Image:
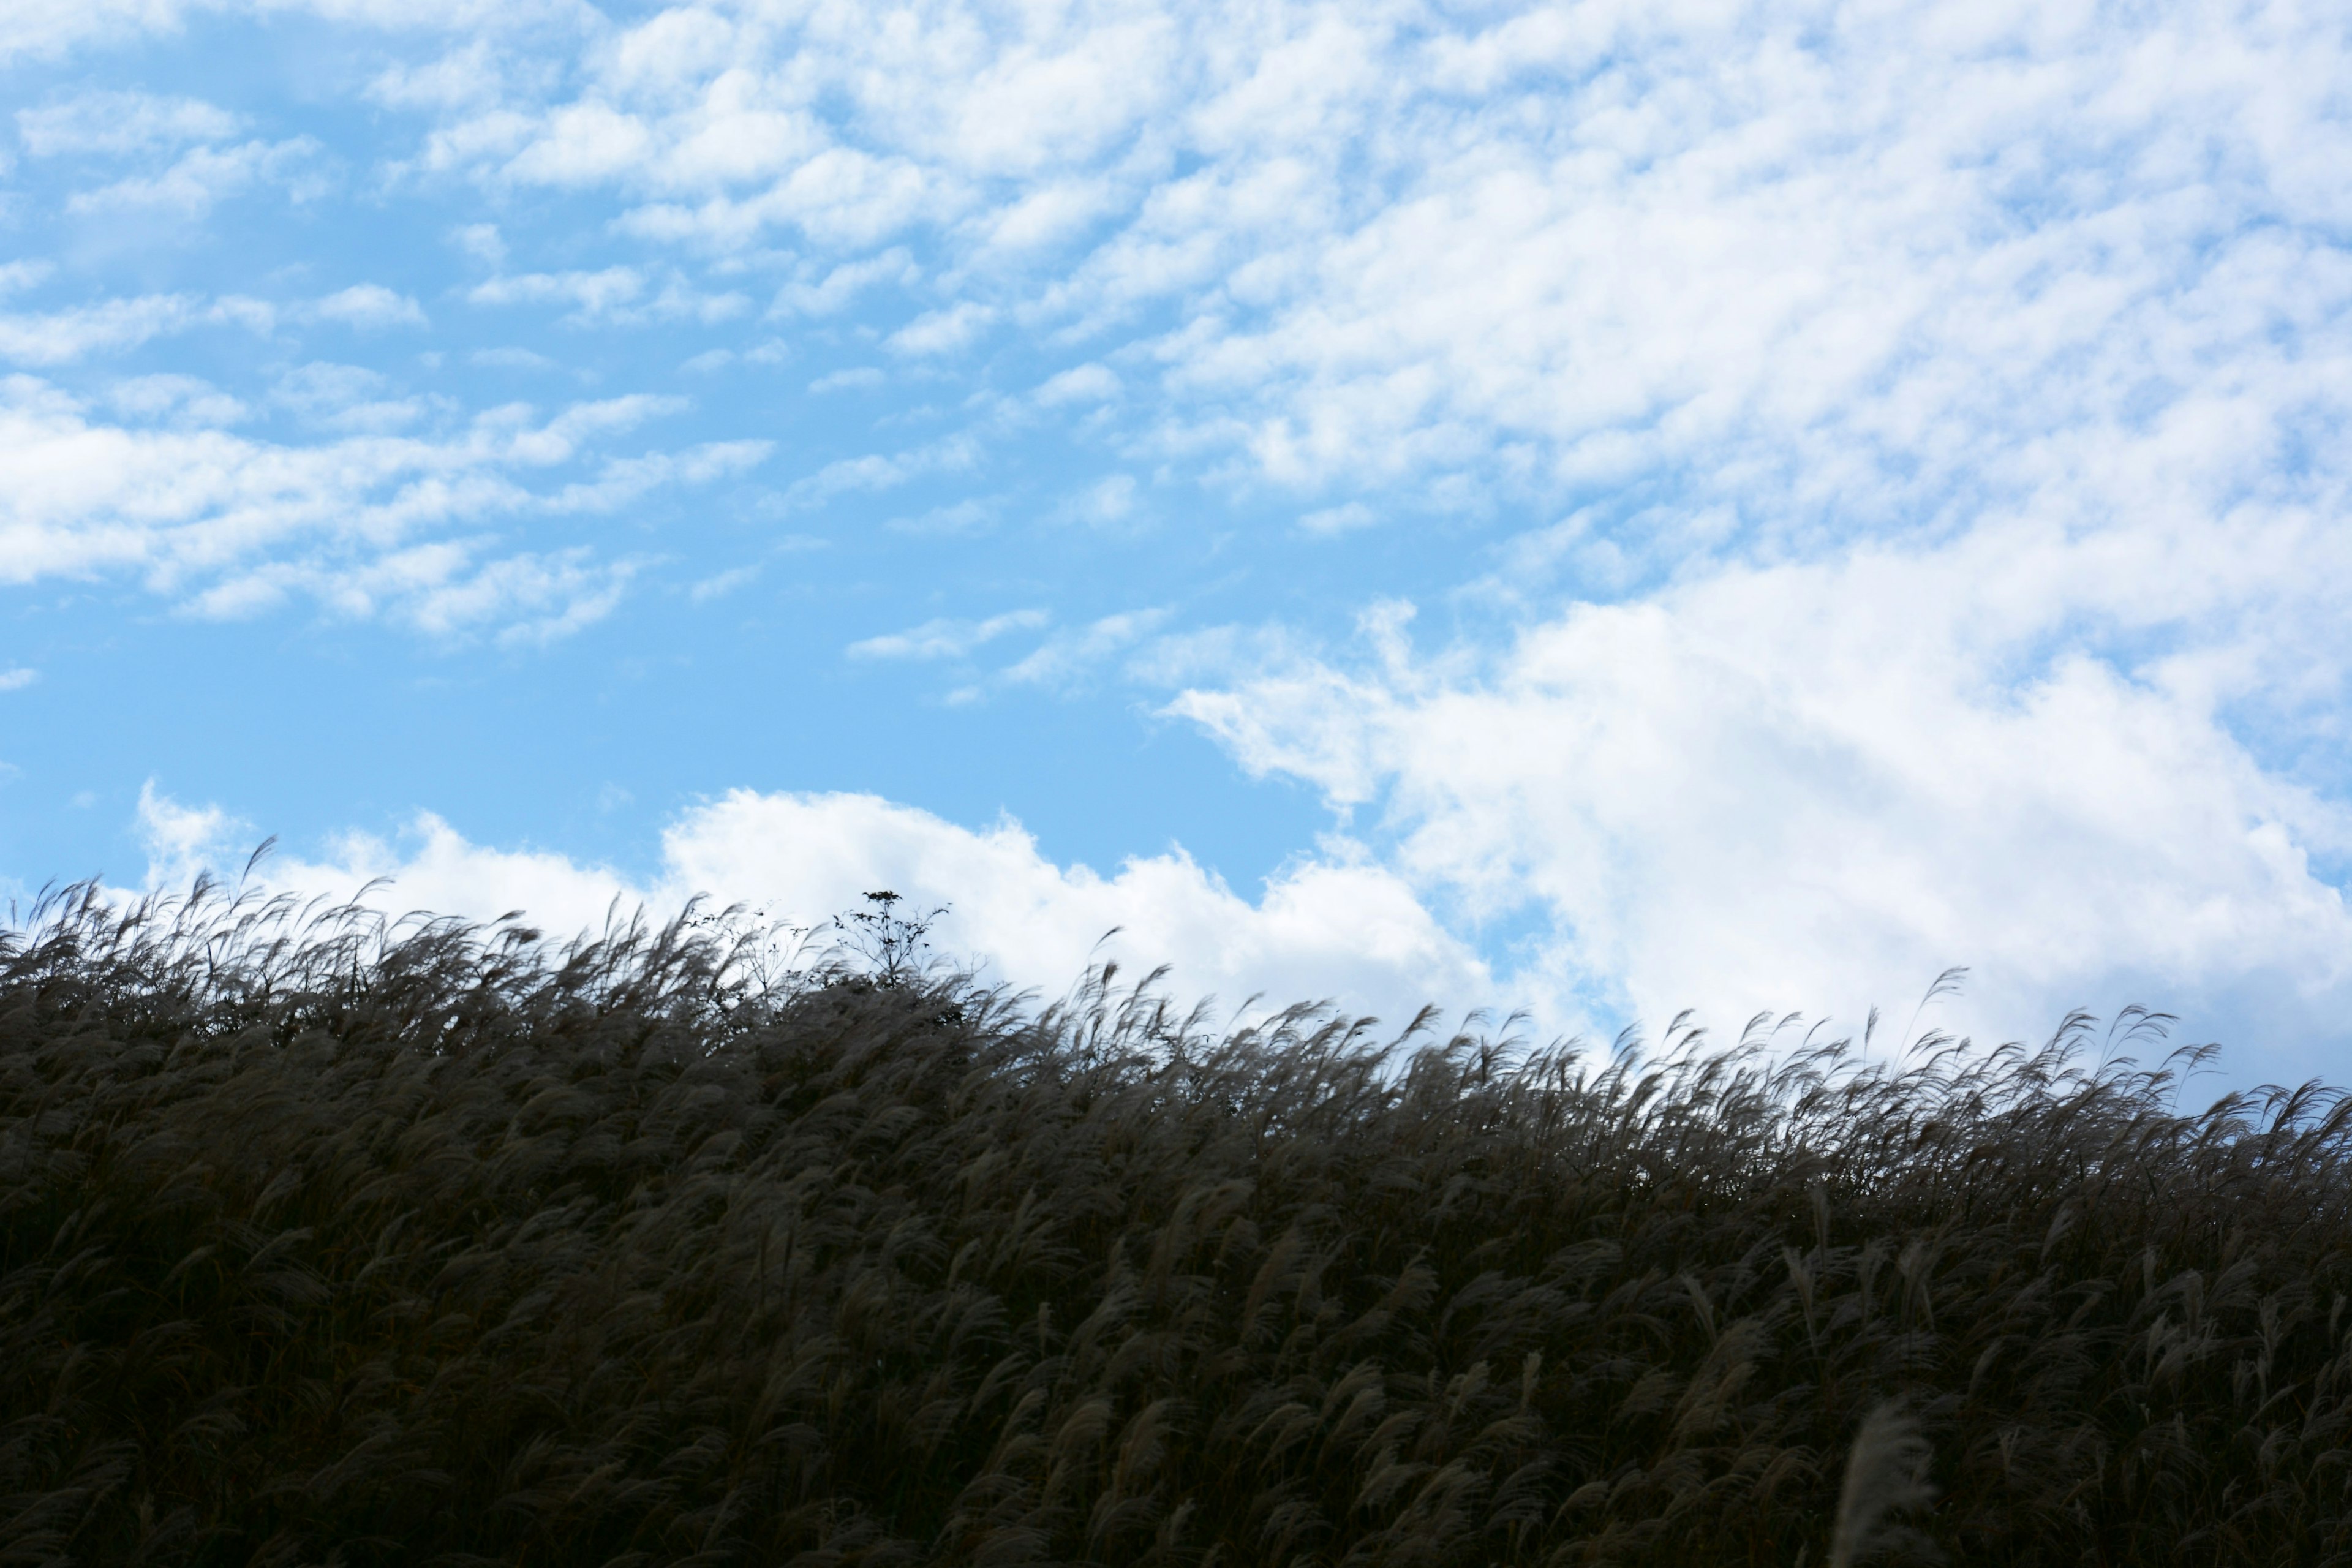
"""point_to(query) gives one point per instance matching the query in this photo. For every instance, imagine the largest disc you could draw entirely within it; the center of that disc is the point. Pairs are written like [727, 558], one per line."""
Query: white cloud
[1344, 519]
[18, 678]
[1820, 269]
[842, 284]
[876, 471]
[941, 332]
[60, 337]
[345, 397]
[1813, 787]
[1068, 656]
[1106, 503]
[121, 122]
[591, 294]
[945, 639]
[128, 321]
[856, 378]
[1329, 927]
[440, 588]
[482, 242]
[371, 305]
[615, 295]
[510, 358]
[178, 400]
[461, 79]
[183, 840]
[203, 177]
[972, 514]
[365, 524]
[42, 29]
[45, 28]
[719, 585]
[1080, 383]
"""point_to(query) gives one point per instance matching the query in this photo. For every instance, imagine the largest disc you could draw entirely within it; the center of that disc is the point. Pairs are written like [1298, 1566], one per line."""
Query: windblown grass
[327, 1242]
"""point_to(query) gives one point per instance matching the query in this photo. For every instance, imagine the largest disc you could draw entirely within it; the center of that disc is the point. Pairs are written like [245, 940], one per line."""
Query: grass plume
[1885, 1476]
[325, 1240]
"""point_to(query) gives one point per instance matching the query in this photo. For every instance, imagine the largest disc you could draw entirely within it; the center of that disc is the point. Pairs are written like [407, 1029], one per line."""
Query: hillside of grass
[323, 1241]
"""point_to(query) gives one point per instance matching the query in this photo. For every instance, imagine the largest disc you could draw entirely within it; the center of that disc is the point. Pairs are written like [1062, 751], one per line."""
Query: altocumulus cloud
[231, 525]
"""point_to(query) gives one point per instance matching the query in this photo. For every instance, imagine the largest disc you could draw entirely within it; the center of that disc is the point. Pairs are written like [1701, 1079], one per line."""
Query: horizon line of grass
[328, 1238]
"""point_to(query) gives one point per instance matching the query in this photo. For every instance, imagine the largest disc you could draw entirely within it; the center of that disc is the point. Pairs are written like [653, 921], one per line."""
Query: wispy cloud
[123, 123]
[1070, 655]
[941, 332]
[616, 296]
[181, 840]
[115, 325]
[945, 639]
[204, 176]
[369, 305]
[364, 524]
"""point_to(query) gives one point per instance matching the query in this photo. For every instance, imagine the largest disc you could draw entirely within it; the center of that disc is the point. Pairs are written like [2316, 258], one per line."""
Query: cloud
[1106, 503]
[364, 522]
[42, 29]
[181, 401]
[1327, 927]
[1346, 518]
[204, 176]
[615, 295]
[719, 585]
[463, 79]
[945, 639]
[842, 284]
[972, 514]
[874, 471]
[126, 323]
[510, 358]
[1080, 383]
[942, 331]
[1067, 656]
[1796, 265]
[345, 397]
[1333, 926]
[1815, 786]
[181, 840]
[856, 378]
[60, 337]
[591, 294]
[369, 305]
[482, 242]
[120, 123]
[18, 678]
[440, 588]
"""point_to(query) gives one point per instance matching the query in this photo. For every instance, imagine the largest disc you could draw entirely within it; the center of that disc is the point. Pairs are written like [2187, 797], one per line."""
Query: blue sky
[1594, 508]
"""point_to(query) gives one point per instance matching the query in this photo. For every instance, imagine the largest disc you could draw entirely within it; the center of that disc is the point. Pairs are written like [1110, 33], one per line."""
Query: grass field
[322, 1241]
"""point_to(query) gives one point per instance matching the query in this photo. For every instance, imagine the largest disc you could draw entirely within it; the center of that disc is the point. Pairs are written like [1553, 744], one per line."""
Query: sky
[1587, 511]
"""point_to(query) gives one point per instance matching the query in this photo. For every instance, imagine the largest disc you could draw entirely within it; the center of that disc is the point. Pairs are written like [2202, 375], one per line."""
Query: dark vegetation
[322, 1241]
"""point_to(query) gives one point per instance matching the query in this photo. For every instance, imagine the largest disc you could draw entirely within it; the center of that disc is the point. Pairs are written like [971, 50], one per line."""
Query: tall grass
[328, 1241]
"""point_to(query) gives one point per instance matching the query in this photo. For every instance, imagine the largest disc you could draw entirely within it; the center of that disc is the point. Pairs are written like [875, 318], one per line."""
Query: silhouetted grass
[327, 1242]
